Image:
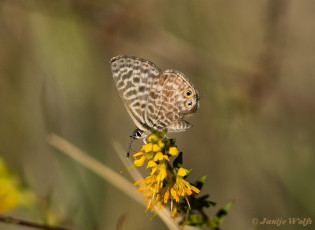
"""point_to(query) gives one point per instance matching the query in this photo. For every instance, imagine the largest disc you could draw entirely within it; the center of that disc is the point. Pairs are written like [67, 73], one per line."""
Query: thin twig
[25, 223]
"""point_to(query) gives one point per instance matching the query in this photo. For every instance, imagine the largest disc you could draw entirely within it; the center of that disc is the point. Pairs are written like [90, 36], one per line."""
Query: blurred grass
[252, 62]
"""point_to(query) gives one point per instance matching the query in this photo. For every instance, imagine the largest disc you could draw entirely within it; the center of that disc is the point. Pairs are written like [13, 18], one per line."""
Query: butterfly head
[137, 134]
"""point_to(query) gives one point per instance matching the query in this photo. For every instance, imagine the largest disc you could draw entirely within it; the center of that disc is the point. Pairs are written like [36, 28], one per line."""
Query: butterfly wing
[133, 78]
[172, 98]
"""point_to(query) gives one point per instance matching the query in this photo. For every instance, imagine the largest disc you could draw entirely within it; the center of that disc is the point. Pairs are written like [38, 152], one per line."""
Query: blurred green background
[252, 62]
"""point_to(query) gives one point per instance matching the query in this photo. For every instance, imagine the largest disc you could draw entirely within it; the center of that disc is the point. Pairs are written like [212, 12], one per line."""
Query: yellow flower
[153, 138]
[156, 148]
[138, 154]
[173, 151]
[12, 194]
[166, 157]
[147, 148]
[161, 143]
[182, 172]
[151, 164]
[147, 186]
[140, 158]
[162, 184]
[166, 196]
[181, 187]
[159, 171]
[9, 195]
[150, 151]
[158, 156]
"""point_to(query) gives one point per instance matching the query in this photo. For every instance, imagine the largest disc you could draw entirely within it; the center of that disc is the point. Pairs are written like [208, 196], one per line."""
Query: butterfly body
[154, 99]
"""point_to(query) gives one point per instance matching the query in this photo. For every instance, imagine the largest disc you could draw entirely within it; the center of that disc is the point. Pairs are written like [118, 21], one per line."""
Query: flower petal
[137, 154]
[173, 151]
[153, 138]
[156, 148]
[166, 157]
[158, 156]
[139, 162]
[161, 143]
[147, 148]
[151, 164]
[182, 172]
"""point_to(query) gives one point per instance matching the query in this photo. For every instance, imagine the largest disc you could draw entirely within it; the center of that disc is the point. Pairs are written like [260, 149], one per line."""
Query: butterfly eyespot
[188, 93]
[188, 104]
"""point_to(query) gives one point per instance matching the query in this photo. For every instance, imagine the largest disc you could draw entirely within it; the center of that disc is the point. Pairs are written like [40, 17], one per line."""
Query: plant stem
[11, 220]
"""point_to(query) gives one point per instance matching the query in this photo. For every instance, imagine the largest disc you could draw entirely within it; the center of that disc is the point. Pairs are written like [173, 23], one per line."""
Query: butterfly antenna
[132, 138]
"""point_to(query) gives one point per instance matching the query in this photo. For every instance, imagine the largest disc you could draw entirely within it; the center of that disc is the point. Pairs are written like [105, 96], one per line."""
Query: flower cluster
[11, 192]
[165, 182]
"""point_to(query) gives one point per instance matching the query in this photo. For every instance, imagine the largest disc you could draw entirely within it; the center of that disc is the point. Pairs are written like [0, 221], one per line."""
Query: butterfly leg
[144, 136]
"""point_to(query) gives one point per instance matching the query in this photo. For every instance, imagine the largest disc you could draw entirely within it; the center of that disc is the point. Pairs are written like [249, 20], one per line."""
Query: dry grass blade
[105, 172]
[134, 172]
[94, 165]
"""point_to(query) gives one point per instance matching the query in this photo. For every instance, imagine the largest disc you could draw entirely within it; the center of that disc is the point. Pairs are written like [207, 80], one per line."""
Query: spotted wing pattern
[172, 98]
[133, 78]
[154, 99]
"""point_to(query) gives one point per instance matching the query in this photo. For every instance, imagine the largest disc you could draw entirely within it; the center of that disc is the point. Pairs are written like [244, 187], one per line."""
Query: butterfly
[154, 99]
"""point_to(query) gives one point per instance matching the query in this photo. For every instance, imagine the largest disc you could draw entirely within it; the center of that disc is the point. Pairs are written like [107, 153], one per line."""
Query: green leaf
[199, 183]
[205, 203]
[177, 163]
[164, 132]
[188, 172]
[194, 220]
[172, 141]
[218, 219]
[224, 211]
[167, 143]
